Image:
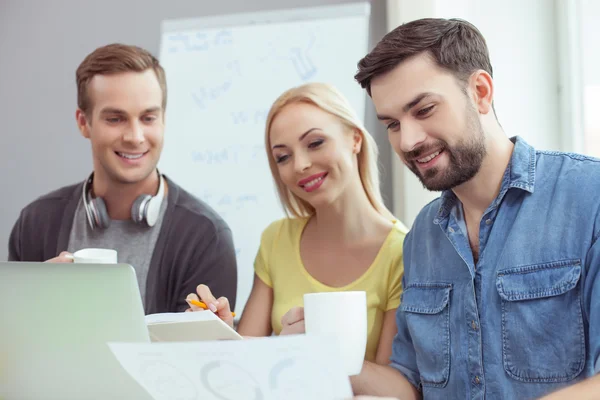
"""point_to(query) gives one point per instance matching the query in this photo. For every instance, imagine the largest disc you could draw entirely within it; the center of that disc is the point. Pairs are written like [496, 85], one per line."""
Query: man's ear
[482, 86]
[82, 123]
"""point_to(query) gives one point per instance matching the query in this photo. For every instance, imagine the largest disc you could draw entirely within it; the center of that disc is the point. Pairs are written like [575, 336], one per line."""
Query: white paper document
[188, 327]
[290, 367]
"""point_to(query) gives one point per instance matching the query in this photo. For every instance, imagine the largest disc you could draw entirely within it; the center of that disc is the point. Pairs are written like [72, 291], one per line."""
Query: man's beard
[465, 159]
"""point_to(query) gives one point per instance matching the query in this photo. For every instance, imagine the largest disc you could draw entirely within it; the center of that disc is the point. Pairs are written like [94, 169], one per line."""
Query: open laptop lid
[55, 322]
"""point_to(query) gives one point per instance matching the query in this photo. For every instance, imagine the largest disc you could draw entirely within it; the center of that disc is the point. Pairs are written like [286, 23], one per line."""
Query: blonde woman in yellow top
[340, 236]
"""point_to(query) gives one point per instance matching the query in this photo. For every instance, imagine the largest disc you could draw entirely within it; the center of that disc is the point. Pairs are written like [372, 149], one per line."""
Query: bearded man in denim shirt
[501, 298]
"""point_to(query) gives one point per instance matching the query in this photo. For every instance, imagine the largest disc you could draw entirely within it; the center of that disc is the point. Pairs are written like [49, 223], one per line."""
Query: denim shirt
[525, 320]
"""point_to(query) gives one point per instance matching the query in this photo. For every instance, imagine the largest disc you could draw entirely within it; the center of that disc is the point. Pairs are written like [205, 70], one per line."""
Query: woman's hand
[219, 306]
[293, 322]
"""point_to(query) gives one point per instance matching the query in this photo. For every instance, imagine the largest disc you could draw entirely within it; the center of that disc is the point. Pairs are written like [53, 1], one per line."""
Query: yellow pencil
[202, 305]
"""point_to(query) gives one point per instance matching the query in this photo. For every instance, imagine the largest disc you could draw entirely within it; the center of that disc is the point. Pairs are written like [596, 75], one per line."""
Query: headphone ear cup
[138, 208]
[152, 210]
[100, 213]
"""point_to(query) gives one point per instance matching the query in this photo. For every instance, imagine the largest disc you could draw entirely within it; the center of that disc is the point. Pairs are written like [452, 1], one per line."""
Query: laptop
[55, 322]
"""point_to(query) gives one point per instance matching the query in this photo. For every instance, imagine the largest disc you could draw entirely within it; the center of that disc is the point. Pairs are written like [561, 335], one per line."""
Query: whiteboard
[223, 73]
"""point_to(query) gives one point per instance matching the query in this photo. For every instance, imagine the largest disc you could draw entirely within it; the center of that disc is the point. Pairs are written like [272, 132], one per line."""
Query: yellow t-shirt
[279, 266]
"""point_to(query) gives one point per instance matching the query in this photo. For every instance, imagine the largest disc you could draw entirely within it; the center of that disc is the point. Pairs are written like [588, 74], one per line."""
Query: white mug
[344, 316]
[95, 256]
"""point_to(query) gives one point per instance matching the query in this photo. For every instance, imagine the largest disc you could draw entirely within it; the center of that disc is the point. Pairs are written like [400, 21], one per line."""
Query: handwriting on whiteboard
[232, 154]
[199, 41]
[299, 55]
[205, 95]
[256, 116]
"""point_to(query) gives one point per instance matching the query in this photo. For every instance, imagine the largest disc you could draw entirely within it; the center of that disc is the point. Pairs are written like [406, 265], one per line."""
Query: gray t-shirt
[133, 242]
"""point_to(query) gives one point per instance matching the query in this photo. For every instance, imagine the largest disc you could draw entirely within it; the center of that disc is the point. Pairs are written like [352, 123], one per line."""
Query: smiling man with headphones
[172, 239]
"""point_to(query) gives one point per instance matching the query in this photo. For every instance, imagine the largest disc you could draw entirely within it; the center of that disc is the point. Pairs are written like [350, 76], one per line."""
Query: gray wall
[41, 45]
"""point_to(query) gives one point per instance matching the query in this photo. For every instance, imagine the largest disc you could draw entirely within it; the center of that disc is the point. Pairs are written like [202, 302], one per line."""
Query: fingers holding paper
[292, 322]
[63, 257]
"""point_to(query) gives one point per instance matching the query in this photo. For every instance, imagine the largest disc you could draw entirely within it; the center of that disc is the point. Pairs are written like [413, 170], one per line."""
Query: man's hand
[63, 257]
[293, 322]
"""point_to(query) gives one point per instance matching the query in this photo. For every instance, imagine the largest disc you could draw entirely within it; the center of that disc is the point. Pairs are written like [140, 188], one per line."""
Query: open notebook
[188, 327]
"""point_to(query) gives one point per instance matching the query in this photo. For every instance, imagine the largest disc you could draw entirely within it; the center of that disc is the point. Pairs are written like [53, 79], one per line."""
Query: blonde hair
[330, 100]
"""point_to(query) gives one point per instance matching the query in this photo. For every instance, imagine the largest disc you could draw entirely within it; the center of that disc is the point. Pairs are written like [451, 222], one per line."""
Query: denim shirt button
[451, 230]
[473, 325]
[477, 381]
[488, 221]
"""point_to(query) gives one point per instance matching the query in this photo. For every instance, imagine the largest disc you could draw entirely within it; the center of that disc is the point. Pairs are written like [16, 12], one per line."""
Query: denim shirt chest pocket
[426, 308]
[542, 323]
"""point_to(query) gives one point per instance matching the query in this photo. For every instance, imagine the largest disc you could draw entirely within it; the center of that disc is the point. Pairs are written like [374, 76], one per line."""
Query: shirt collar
[519, 174]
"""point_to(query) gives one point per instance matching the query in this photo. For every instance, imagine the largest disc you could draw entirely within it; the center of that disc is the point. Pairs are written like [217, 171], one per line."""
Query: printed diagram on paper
[251, 369]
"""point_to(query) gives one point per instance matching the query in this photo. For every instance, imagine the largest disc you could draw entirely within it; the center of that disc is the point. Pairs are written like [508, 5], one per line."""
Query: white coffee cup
[342, 315]
[95, 256]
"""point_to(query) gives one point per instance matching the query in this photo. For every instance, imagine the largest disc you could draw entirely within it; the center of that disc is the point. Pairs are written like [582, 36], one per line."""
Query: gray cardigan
[195, 245]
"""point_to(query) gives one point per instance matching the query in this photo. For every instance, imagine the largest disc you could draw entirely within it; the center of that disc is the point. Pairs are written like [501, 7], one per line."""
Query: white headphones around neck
[145, 208]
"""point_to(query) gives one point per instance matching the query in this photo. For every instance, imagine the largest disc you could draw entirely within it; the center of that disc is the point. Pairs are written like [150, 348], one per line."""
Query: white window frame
[568, 38]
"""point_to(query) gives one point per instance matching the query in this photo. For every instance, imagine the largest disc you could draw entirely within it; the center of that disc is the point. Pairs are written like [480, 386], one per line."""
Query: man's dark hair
[454, 44]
